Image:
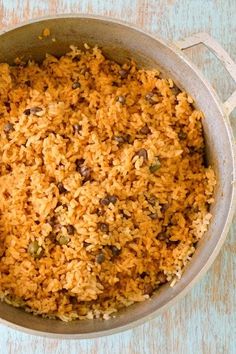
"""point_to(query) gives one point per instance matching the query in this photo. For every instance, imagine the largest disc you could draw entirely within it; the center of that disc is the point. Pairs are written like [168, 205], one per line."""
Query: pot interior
[120, 42]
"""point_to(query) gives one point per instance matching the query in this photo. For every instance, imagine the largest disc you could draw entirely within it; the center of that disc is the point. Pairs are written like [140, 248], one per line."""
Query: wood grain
[205, 320]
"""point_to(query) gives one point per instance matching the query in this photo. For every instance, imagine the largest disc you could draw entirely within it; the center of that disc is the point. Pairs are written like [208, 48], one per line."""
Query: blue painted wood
[204, 322]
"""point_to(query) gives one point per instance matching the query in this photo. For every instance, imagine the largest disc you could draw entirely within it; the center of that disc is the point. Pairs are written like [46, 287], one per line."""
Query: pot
[120, 41]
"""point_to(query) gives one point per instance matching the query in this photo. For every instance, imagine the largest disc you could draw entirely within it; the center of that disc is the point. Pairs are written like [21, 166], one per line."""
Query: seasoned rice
[103, 188]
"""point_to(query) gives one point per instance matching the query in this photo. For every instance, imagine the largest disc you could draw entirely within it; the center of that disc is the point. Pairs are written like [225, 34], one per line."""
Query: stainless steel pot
[120, 41]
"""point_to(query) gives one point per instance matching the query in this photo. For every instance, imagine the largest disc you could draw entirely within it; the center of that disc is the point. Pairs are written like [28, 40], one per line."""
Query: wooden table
[204, 322]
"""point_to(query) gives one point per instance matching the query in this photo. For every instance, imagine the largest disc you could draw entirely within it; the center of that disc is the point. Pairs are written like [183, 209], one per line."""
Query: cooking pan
[120, 41]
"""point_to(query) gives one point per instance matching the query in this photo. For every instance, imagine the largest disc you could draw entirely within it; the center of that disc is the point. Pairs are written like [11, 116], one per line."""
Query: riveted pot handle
[220, 53]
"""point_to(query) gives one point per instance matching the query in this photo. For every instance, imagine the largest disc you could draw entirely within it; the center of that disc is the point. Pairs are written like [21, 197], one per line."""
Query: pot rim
[232, 206]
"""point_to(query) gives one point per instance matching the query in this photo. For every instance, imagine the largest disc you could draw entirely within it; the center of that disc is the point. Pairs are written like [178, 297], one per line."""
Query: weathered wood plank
[205, 320]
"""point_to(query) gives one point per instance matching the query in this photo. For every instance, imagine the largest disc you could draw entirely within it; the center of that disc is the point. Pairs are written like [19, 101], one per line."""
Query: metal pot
[120, 41]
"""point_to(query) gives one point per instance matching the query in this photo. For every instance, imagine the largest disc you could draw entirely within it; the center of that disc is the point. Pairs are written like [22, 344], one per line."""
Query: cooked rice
[103, 187]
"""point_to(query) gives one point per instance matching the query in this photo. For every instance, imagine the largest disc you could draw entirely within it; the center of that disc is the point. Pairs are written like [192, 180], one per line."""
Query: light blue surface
[204, 322]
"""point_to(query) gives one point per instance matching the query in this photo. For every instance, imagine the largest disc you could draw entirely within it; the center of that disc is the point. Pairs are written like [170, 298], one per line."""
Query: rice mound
[103, 188]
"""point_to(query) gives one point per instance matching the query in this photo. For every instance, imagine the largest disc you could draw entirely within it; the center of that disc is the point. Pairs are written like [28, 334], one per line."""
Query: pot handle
[220, 53]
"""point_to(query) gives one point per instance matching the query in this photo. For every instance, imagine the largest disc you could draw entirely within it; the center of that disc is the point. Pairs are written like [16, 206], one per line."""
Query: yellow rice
[140, 141]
